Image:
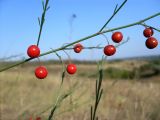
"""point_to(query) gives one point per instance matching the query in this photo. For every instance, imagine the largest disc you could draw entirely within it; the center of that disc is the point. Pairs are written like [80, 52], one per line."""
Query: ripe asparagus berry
[71, 68]
[151, 43]
[78, 48]
[109, 50]
[30, 118]
[33, 51]
[41, 72]
[148, 32]
[38, 118]
[117, 37]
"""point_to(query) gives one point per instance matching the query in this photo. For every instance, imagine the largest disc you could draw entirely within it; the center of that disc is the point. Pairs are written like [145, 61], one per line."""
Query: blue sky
[19, 26]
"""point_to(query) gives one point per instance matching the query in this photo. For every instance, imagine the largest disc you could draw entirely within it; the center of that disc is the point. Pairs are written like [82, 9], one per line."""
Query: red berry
[30, 118]
[33, 51]
[151, 42]
[148, 32]
[77, 48]
[71, 68]
[117, 37]
[41, 72]
[38, 118]
[109, 50]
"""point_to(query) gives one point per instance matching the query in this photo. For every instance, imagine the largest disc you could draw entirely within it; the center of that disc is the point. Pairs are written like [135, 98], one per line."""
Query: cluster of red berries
[41, 72]
[117, 37]
[34, 52]
[109, 50]
[151, 42]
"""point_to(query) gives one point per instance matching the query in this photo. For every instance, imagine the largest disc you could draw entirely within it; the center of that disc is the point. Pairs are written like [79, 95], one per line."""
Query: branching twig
[99, 89]
[99, 92]
[114, 13]
[60, 99]
[41, 22]
[158, 30]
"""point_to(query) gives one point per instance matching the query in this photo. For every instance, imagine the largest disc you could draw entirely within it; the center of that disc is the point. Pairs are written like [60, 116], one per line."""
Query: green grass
[152, 68]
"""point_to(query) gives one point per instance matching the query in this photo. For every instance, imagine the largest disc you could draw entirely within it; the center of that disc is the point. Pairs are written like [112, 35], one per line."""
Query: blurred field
[131, 91]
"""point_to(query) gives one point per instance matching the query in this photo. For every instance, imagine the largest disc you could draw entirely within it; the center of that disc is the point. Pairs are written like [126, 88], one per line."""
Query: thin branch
[114, 13]
[115, 9]
[41, 22]
[63, 67]
[60, 99]
[99, 92]
[150, 26]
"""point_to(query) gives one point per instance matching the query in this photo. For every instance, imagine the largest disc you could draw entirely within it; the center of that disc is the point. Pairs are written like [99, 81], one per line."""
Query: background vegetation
[130, 91]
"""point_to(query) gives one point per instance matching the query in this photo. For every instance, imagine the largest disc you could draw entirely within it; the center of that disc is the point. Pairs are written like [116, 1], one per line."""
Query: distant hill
[154, 57]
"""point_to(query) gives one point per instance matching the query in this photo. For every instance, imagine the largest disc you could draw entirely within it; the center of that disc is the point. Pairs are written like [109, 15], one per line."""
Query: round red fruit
[71, 68]
[30, 118]
[33, 51]
[117, 37]
[151, 42]
[78, 48]
[38, 118]
[148, 32]
[41, 72]
[109, 50]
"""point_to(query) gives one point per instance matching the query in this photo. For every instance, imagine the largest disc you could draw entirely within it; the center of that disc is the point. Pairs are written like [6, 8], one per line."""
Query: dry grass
[22, 95]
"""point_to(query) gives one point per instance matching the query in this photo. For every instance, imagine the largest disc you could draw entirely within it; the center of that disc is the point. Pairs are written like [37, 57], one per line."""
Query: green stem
[114, 13]
[83, 39]
[55, 107]
[42, 21]
[99, 92]
[149, 26]
[132, 24]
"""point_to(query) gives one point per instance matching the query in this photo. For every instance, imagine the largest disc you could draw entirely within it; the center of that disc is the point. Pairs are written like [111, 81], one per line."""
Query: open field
[131, 92]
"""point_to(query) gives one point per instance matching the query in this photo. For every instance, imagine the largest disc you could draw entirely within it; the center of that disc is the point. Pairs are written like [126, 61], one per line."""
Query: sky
[19, 26]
